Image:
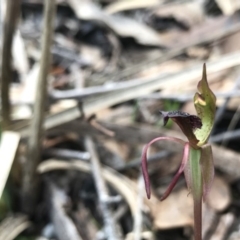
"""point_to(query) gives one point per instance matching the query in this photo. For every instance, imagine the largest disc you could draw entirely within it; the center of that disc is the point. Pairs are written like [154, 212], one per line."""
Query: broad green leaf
[207, 169]
[205, 105]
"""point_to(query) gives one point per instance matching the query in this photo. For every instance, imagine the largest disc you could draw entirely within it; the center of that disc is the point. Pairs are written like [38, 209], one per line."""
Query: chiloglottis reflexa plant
[197, 161]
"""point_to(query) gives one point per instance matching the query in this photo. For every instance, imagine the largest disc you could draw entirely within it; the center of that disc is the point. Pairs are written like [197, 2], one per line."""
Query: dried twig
[102, 129]
[11, 17]
[64, 226]
[34, 145]
[137, 229]
[84, 93]
[67, 154]
[102, 191]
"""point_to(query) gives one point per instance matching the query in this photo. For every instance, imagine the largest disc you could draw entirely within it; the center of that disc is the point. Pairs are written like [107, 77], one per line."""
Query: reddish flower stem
[197, 219]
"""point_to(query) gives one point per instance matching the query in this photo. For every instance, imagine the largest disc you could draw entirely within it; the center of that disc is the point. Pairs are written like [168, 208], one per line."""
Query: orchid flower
[197, 161]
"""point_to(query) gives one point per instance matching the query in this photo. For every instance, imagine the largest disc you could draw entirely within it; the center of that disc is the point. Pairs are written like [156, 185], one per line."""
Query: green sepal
[205, 105]
[207, 166]
[193, 173]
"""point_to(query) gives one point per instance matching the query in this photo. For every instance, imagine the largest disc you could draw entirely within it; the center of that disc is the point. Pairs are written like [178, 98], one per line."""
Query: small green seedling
[197, 162]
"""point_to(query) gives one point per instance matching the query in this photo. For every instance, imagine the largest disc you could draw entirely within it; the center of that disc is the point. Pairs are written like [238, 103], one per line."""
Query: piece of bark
[219, 197]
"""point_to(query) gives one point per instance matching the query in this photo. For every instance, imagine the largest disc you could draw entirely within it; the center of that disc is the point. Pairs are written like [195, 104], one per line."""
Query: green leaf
[205, 105]
[207, 169]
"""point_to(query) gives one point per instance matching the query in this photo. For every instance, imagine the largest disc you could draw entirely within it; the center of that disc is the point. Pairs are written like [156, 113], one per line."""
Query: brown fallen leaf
[120, 149]
[175, 211]
[230, 44]
[219, 197]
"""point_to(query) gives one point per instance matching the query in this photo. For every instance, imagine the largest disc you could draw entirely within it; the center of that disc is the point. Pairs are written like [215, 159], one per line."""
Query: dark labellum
[191, 120]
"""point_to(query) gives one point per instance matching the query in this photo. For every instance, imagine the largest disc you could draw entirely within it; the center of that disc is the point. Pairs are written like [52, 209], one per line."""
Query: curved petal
[179, 172]
[144, 159]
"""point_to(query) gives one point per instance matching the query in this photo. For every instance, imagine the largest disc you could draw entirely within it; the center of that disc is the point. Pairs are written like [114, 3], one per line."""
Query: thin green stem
[197, 190]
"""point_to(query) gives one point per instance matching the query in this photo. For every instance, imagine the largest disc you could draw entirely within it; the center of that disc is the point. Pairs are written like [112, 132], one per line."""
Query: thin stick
[30, 181]
[102, 191]
[11, 17]
[138, 218]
